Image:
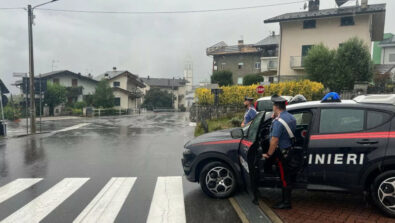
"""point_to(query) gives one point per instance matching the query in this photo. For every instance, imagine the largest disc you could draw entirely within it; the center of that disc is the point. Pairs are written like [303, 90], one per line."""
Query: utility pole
[31, 72]
[30, 18]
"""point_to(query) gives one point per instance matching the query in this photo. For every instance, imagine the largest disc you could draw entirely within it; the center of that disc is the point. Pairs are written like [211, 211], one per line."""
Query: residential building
[269, 59]
[77, 84]
[127, 88]
[299, 31]
[172, 85]
[241, 59]
[377, 50]
[388, 50]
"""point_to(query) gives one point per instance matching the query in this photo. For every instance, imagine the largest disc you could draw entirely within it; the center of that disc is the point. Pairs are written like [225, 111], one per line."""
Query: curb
[239, 212]
[269, 212]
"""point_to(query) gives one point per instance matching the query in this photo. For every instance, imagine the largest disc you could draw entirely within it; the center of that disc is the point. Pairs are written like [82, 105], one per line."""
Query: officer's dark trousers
[288, 164]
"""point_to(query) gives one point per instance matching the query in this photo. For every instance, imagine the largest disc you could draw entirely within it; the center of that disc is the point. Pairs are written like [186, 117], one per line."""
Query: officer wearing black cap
[281, 142]
[250, 113]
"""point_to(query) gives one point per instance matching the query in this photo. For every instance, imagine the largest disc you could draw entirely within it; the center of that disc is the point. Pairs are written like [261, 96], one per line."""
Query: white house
[127, 88]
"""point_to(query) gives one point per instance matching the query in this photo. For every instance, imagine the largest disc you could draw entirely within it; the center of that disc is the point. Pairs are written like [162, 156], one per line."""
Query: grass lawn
[219, 124]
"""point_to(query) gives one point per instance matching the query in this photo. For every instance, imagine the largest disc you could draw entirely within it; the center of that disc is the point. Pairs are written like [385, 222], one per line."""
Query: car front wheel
[383, 192]
[217, 180]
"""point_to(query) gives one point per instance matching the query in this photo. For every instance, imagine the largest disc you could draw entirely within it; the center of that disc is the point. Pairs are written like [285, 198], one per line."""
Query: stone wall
[198, 113]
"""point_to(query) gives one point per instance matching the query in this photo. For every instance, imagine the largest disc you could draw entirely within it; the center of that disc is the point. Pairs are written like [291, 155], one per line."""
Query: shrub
[11, 113]
[182, 108]
[80, 104]
[222, 78]
[234, 95]
[76, 111]
[235, 121]
[250, 79]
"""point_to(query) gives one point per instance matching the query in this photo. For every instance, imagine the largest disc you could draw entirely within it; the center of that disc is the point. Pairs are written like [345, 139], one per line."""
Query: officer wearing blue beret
[282, 136]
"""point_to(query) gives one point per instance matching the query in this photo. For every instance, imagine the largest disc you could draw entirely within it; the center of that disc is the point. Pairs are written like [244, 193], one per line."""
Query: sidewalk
[325, 207]
[15, 129]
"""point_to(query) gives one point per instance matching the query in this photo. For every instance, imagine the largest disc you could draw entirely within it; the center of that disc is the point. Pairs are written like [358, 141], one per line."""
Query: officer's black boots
[286, 202]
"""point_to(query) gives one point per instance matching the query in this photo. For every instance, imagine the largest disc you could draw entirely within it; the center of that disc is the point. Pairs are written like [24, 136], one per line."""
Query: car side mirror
[237, 133]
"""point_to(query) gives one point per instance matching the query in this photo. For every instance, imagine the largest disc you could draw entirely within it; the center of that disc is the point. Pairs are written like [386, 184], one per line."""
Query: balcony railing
[297, 62]
[272, 65]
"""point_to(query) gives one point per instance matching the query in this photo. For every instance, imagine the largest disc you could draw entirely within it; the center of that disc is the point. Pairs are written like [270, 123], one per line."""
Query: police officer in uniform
[250, 113]
[281, 143]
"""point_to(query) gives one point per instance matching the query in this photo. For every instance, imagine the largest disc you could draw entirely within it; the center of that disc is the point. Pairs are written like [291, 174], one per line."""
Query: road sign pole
[31, 71]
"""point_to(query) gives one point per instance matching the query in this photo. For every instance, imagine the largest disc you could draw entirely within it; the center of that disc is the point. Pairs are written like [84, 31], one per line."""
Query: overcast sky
[155, 45]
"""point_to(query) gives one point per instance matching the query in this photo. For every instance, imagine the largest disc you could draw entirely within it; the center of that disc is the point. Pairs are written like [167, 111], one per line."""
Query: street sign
[260, 89]
[18, 74]
[26, 85]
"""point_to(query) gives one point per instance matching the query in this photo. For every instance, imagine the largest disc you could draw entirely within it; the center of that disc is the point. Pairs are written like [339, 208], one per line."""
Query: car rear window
[341, 120]
[265, 105]
[375, 118]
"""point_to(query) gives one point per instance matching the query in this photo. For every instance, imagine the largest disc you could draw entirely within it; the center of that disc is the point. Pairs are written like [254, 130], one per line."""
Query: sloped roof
[342, 11]
[383, 68]
[388, 41]
[66, 72]
[164, 82]
[4, 89]
[115, 73]
[246, 48]
[270, 40]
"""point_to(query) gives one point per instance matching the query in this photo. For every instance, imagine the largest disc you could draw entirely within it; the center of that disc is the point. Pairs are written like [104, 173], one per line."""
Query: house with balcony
[176, 86]
[269, 59]
[299, 31]
[78, 86]
[127, 88]
[243, 59]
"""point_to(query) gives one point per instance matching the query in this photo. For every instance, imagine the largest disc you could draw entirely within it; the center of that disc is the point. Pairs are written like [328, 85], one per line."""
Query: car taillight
[256, 104]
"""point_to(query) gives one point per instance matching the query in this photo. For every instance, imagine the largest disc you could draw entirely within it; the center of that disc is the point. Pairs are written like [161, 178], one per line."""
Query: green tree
[222, 78]
[339, 69]
[352, 63]
[103, 96]
[155, 98]
[54, 96]
[319, 64]
[250, 79]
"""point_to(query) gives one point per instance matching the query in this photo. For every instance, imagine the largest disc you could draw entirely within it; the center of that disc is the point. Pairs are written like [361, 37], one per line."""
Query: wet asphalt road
[144, 146]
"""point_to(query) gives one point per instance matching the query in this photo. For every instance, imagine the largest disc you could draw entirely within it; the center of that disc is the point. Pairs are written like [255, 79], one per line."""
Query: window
[240, 80]
[309, 24]
[215, 67]
[347, 21]
[241, 65]
[55, 81]
[74, 82]
[303, 118]
[341, 120]
[375, 118]
[305, 49]
[258, 65]
[116, 84]
[391, 57]
[253, 129]
[117, 101]
[271, 79]
[265, 105]
[223, 66]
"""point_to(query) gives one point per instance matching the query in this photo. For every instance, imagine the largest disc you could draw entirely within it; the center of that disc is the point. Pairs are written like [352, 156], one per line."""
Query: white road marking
[168, 202]
[108, 202]
[41, 206]
[72, 127]
[16, 186]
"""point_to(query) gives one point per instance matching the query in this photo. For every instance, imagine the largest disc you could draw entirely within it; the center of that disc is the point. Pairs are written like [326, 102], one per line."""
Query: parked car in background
[265, 103]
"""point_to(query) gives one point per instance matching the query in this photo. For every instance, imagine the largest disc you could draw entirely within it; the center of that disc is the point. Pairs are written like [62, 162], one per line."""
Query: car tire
[383, 192]
[217, 180]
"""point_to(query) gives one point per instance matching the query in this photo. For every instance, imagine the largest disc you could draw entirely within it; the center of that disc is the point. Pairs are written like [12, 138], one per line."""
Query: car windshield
[265, 105]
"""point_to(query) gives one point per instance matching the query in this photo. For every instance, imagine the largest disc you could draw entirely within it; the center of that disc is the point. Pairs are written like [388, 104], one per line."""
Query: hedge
[234, 95]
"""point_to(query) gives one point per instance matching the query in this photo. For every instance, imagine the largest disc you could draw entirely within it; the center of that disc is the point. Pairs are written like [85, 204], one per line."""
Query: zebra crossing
[167, 203]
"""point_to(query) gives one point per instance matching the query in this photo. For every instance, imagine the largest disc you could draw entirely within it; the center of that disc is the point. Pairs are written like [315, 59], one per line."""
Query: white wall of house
[88, 87]
[388, 55]
[124, 99]
[327, 31]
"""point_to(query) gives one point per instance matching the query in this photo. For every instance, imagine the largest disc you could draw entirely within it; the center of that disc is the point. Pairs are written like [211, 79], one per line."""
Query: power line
[169, 12]
[12, 8]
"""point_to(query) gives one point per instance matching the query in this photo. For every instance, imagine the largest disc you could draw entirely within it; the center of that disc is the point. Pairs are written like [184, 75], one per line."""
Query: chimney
[148, 77]
[90, 75]
[114, 68]
[364, 4]
[273, 33]
[314, 5]
[240, 42]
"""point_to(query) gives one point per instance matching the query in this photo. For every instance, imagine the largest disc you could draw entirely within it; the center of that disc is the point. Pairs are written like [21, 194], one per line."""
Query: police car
[347, 146]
